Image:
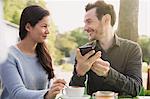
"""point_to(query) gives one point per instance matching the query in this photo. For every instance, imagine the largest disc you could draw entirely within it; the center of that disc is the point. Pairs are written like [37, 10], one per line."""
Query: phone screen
[85, 50]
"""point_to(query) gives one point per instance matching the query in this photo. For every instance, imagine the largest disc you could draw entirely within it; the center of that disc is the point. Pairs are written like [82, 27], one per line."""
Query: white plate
[83, 97]
[143, 97]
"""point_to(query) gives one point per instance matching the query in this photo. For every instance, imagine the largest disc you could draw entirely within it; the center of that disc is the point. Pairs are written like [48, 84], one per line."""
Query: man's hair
[102, 8]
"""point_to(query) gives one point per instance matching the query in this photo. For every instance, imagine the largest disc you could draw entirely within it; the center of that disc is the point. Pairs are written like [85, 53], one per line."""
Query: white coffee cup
[74, 91]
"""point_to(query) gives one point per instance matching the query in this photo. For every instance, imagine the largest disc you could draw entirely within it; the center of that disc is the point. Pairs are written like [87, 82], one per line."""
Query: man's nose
[85, 28]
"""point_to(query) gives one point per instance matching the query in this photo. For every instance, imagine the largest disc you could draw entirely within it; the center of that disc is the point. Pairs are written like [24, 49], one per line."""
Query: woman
[28, 70]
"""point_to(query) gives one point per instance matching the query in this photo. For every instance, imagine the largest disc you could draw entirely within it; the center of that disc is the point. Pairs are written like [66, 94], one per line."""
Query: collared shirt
[124, 77]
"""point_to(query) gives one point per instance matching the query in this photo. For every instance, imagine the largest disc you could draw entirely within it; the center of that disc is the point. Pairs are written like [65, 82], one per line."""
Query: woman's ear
[106, 19]
[28, 27]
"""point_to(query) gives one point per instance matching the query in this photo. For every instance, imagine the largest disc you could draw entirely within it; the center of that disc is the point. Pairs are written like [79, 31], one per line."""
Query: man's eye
[44, 26]
[88, 22]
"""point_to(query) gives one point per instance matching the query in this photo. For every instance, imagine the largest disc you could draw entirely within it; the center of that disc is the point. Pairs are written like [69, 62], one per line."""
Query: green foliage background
[12, 13]
[80, 36]
[144, 42]
[60, 45]
[13, 8]
[69, 41]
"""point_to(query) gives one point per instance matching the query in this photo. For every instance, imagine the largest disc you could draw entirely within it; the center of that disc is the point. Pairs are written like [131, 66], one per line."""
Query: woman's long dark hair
[32, 15]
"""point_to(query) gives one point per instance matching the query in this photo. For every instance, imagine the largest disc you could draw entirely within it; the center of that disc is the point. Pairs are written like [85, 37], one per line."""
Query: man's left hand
[101, 67]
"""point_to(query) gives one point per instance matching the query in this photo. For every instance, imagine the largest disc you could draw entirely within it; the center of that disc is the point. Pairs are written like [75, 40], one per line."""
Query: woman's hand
[55, 89]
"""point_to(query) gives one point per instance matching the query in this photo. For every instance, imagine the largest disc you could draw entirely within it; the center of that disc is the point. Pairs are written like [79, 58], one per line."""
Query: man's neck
[107, 41]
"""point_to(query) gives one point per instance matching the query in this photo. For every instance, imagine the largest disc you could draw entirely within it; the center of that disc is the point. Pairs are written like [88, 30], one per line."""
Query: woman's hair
[32, 15]
[103, 8]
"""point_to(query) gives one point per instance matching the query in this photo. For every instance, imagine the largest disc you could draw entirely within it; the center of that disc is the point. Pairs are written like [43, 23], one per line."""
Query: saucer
[82, 97]
[143, 97]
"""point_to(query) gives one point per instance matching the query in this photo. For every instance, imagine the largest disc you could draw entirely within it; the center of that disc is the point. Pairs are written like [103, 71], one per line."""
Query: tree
[12, 12]
[144, 42]
[38, 2]
[66, 43]
[55, 53]
[128, 19]
[13, 8]
[80, 36]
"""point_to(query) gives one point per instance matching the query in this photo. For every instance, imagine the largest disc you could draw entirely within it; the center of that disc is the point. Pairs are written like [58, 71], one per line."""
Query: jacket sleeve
[77, 80]
[130, 82]
[13, 82]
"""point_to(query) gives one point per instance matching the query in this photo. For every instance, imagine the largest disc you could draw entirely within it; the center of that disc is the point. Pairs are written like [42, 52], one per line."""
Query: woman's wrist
[46, 95]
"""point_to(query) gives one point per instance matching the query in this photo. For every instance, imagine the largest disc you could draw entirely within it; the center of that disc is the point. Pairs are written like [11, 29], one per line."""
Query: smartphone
[85, 50]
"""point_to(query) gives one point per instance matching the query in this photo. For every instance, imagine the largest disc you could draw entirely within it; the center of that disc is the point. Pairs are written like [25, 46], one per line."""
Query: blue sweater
[22, 76]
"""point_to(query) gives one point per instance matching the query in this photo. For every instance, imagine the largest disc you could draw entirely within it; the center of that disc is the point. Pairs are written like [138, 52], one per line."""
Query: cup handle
[59, 98]
[116, 95]
[63, 92]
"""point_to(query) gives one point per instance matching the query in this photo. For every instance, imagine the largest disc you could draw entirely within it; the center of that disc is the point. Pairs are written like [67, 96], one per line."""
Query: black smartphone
[85, 50]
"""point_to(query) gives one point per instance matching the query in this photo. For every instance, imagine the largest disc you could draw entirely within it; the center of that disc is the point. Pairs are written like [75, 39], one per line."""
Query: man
[116, 66]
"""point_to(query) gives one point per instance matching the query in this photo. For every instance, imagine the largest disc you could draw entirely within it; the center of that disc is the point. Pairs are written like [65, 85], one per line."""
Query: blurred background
[66, 28]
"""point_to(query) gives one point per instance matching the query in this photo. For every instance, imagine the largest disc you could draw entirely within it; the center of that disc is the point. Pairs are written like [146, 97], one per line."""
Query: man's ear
[28, 27]
[106, 19]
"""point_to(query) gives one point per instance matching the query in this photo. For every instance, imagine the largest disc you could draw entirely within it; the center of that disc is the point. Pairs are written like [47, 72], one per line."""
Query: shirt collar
[116, 42]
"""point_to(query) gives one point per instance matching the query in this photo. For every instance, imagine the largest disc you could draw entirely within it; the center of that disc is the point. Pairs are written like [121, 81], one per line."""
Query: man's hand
[84, 63]
[101, 67]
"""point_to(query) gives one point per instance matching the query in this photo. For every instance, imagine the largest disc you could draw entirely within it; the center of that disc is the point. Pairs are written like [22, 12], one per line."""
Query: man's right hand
[84, 63]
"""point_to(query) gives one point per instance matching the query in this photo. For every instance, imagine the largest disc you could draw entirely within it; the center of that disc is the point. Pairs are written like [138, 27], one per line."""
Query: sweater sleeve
[13, 82]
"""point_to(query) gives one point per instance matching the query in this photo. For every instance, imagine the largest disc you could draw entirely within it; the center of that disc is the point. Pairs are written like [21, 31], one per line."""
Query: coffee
[104, 95]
